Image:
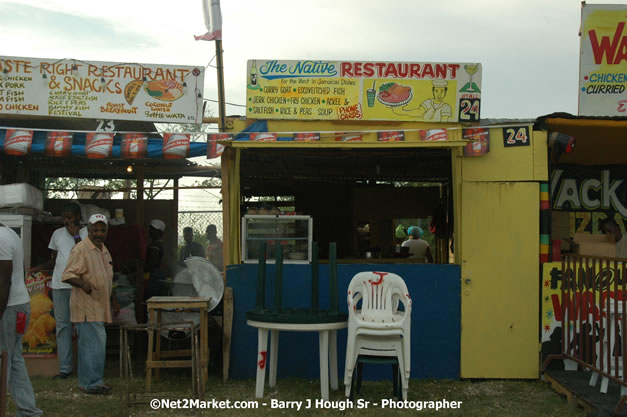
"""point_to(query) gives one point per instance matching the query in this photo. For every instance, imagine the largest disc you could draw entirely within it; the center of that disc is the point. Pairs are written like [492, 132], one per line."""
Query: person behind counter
[191, 248]
[61, 243]
[419, 249]
[610, 227]
[214, 247]
[154, 256]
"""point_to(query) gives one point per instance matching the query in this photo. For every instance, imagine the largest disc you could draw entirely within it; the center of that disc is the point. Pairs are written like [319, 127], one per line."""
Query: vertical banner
[58, 144]
[603, 60]
[176, 145]
[39, 339]
[134, 146]
[18, 141]
[99, 145]
[213, 21]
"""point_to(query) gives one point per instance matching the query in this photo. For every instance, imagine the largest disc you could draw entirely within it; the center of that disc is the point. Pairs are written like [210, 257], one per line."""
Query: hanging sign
[98, 145]
[176, 145]
[346, 90]
[18, 142]
[480, 144]
[101, 90]
[58, 144]
[134, 146]
[215, 144]
[603, 60]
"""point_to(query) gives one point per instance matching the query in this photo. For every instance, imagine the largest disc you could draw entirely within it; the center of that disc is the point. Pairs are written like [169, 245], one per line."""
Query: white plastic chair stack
[376, 325]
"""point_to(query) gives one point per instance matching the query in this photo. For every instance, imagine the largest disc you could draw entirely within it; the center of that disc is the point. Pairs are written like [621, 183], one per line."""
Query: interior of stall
[363, 199]
[142, 197]
[588, 163]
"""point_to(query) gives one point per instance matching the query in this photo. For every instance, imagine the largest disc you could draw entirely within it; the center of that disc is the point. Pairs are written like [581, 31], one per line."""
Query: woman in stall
[419, 249]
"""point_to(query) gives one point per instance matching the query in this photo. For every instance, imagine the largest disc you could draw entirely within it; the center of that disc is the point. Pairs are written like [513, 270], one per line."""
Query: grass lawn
[62, 398]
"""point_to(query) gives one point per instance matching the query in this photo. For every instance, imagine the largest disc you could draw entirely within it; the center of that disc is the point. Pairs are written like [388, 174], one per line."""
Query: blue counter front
[435, 322]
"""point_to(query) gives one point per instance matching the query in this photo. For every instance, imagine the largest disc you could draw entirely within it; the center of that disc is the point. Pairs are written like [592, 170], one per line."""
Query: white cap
[158, 224]
[95, 218]
[440, 83]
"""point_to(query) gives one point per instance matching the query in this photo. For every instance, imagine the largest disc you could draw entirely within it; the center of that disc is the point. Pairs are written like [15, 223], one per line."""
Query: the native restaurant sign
[603, 61]
[369, 90]
[101, 90]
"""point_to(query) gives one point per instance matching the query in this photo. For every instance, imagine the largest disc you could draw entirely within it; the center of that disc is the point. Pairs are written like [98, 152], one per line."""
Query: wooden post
[220, 70]
[175, 215]
[227, 160]
[139, 265]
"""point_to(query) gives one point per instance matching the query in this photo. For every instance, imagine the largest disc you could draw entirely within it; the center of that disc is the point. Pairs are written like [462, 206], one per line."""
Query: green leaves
[385, 87]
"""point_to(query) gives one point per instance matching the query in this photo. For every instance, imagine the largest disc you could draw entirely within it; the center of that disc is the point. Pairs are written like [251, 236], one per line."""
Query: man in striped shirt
[90, 272]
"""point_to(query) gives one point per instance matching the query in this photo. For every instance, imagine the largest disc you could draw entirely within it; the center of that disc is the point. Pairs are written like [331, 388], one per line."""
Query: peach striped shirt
[93, 265]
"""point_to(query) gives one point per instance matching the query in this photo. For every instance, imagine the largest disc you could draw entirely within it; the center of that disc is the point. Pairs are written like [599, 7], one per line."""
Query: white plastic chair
[376, 325]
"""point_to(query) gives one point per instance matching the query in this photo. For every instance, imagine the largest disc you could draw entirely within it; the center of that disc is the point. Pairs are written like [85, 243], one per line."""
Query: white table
[327, 341]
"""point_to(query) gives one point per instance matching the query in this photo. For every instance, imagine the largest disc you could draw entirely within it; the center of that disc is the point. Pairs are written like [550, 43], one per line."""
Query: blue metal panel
[435, 327]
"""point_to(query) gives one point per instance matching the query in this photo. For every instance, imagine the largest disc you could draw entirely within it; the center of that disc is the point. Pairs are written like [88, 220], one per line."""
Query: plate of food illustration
[394, 95]
[164, 90]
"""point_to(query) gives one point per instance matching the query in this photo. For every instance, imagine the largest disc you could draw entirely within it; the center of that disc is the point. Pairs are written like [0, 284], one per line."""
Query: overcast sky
[529, 49]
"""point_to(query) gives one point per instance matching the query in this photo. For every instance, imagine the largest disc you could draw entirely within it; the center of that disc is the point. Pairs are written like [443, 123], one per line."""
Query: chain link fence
[199, 220]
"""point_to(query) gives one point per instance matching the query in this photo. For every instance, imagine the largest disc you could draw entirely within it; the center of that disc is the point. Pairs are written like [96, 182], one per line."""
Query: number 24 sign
[516, 136]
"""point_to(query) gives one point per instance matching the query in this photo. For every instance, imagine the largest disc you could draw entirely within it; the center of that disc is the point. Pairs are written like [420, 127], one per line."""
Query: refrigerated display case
[294, 233]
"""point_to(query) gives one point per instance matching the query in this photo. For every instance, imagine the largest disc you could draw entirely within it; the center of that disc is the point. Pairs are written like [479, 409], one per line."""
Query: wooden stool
[126, 366]
[155, 306]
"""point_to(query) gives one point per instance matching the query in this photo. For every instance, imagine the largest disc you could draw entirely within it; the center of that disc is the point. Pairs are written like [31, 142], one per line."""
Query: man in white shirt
[61, 244]
[14, 315]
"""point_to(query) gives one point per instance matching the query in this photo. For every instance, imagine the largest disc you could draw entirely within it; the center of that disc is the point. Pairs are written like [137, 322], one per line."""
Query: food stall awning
[599, 140]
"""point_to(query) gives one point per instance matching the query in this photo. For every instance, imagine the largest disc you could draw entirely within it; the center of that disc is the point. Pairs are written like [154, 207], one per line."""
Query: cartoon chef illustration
[434, 108]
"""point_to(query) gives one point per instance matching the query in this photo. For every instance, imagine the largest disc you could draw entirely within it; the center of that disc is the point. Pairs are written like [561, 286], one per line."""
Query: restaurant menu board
[101, 90]
[343, 90]
[603, 60]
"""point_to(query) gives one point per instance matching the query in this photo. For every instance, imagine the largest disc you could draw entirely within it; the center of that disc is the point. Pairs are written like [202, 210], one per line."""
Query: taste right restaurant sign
[367, 90]
[603, 60]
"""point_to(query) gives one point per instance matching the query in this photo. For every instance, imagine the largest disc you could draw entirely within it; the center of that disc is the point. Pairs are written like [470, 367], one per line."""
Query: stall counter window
[294, 233]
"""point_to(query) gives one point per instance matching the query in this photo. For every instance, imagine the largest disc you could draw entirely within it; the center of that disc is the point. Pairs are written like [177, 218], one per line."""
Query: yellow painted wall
[523, 163]
[500, 279]
[499, 214]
